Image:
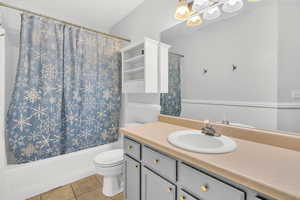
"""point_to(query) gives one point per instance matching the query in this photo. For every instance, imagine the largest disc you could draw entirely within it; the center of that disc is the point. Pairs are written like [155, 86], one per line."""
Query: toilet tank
[142, 113]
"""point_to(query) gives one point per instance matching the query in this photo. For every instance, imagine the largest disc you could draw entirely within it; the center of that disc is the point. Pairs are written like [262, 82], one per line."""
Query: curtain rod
[176, 54]
[61, 21]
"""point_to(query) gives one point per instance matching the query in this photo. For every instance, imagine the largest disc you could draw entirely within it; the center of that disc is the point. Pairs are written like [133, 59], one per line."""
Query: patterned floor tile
[35, 198]
[61, 193]
[89, 188]
[86, 185]
[118, 197]
[94, 195]
[99, 178]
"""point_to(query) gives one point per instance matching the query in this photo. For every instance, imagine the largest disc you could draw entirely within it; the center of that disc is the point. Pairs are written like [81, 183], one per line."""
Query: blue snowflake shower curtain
[171, 102]
[67, 95]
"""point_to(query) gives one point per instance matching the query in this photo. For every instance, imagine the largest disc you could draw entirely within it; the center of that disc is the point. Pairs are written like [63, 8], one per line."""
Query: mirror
[243, 67]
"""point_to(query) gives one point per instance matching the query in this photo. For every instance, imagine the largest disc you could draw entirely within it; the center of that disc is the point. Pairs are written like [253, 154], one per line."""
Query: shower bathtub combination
[40, 174]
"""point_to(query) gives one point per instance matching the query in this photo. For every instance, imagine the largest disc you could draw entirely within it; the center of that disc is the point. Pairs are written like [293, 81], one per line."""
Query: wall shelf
[134, 70]
[142, 68]
[136, 59]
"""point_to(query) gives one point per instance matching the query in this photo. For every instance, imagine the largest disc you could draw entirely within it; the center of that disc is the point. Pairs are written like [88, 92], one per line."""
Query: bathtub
[19, 182]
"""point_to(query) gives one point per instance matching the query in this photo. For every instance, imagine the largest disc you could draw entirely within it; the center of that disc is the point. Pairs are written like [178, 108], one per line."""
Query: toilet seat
[133, 124]
[110, 158]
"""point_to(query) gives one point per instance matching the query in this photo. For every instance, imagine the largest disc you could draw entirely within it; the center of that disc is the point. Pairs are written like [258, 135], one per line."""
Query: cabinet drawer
[156, 188]
[132, 148]
[206, 187]
[158, 162]
[184, 196]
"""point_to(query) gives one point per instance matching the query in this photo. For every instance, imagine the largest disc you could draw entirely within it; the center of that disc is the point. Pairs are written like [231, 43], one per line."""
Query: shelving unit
[142, 65]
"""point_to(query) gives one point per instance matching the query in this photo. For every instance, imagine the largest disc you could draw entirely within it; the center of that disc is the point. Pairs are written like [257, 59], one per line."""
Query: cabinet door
[156, 188]
[164, 67]
[151, 66]
[132, 179]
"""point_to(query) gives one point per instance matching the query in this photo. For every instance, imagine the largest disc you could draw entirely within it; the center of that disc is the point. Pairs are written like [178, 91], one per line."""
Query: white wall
[2, 109]
[289, 63]
[147, 20]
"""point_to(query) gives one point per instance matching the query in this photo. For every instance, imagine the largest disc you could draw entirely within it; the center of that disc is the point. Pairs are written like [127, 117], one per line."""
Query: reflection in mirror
[251, 63]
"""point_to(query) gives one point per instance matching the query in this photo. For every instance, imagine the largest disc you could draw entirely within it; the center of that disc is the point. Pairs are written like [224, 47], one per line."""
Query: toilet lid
[132, 124]
[112, 157]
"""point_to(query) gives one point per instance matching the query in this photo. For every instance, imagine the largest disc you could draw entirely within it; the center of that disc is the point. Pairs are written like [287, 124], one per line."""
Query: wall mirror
[241, 67]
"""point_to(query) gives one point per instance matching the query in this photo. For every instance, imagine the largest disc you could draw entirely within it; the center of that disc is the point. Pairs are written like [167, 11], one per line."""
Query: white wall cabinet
[145, 67]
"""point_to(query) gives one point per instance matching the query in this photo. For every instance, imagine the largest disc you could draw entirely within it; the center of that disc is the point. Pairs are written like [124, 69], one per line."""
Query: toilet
[109, 164]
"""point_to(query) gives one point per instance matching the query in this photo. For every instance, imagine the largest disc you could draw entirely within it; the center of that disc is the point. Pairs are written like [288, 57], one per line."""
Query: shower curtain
[67, 94]
[171, 102]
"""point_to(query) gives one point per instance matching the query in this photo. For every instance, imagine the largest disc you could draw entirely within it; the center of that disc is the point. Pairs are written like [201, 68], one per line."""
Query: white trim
[3, 159]
[272, 105]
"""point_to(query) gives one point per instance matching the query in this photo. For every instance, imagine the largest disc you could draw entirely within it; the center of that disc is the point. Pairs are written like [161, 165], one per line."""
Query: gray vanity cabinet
[155, 188]
[152, 175]
[132, 179]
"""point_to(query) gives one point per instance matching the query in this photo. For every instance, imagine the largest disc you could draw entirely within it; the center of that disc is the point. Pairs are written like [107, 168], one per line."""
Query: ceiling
[96, 14]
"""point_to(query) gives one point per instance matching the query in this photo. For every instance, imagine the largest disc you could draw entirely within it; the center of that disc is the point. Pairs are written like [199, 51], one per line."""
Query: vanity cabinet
[155, 187]
[153, 175]
[132, 179]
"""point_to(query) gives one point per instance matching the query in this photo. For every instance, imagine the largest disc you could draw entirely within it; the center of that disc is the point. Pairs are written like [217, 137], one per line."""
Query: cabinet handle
[182, 198]
[136, 166]
[156, 161]
[130, 147]
[169, 189]
[204, 188]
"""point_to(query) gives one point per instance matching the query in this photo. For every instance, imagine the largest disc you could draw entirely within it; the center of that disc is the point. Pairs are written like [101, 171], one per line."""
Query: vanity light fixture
[182, 10]
[194, 20]
[232, 6]
[194, 12]
[198, 5]
[212, 13]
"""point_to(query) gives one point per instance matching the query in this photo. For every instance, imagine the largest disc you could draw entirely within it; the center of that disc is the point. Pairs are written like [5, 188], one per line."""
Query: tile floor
[85, 189]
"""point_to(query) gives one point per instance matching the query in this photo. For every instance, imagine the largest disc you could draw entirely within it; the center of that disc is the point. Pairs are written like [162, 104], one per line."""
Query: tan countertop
[267, 169]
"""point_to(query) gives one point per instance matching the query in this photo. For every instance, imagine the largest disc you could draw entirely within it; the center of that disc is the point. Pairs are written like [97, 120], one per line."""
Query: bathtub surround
[171, 102]
[67, 91]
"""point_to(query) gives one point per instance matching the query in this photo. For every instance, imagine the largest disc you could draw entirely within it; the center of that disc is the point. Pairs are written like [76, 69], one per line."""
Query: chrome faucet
[209, 130]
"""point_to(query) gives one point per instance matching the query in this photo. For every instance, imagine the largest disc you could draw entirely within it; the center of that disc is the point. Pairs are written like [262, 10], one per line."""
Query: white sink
[196, 141]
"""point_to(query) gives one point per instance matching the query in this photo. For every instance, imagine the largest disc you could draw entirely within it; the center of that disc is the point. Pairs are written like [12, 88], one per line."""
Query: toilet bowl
[109, 164]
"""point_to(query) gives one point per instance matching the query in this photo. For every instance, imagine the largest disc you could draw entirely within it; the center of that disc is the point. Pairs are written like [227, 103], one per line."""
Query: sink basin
[196, 141]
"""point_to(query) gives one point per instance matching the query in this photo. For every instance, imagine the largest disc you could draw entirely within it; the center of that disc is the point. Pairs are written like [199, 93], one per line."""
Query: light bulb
[182, 10]
[212, 13]
[198, 5]
[232, 6]
[194, 21]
